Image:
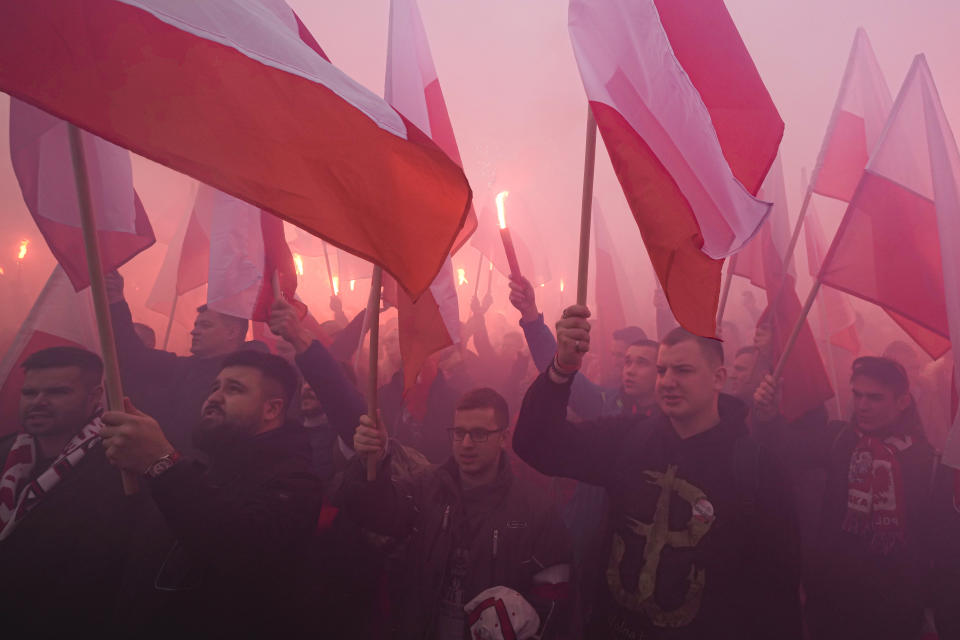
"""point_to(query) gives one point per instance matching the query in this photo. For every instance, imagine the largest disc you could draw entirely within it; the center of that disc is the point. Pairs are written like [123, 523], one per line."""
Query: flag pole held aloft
[726, 290]
[98, 291]
[373, 318]
[589, 162]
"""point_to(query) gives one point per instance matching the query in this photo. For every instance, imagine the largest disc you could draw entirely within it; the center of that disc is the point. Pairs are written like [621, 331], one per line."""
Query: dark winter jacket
[221, 549]
[510, 534]
[853, 591]
[701, 538]
[61, 568]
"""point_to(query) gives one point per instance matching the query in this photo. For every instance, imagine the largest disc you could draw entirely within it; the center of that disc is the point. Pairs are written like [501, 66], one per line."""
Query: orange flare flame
[500, 217]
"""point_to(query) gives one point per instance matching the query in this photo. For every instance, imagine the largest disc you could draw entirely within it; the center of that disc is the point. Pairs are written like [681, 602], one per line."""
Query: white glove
[497, 608]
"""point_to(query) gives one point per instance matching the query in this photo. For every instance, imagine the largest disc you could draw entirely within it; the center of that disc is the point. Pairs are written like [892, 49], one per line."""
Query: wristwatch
[162, 465]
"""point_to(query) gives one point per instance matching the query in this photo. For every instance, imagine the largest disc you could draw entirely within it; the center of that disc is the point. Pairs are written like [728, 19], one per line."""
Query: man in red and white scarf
[62, 510]
[869, 570]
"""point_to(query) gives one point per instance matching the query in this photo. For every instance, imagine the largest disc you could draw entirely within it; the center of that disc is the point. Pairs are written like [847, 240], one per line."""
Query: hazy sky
[518, 107]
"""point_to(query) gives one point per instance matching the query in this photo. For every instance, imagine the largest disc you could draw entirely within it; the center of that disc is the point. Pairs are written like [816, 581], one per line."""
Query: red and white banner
[691, 132]
[839, 321]
[887, 249]
[41, 157]
[232, 93]
[859, 114]
[608, 290]
[60, 317]
[412, 88]
[806, 383]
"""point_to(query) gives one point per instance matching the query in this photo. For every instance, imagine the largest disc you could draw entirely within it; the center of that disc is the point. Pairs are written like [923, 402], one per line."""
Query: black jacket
[852, 591]
[701, 539]
[510, 533]
[220, 550]
[61, 568]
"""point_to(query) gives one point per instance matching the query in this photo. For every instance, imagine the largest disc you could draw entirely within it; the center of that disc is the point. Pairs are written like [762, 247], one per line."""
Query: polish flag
[235, 94]
[60, 317]
[412, 88]
[691, 132]
[233, 248]
[887, 249]
[806, 383]
[41, 157]
[859, 114]
[838, 317]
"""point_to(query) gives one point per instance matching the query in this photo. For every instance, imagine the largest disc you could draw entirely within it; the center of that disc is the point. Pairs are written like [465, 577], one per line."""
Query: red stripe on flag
[690, 279]
[844, 158]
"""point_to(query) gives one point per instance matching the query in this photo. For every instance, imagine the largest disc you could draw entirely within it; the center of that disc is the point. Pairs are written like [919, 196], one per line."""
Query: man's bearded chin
[214, 433]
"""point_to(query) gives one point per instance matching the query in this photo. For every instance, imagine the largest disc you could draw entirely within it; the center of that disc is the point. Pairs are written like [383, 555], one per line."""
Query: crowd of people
[517, 491]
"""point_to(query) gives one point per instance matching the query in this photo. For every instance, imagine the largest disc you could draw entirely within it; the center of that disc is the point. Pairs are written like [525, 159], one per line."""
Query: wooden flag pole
[326, 259]
[791, 248]
[173, 311]
[476, 284]
[586, 205]
[98, 291]
[792, 340]
[373, 319]
[726, 291]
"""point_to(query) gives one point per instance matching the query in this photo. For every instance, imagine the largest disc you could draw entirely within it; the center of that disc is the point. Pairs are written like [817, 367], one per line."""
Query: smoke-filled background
[518, 110]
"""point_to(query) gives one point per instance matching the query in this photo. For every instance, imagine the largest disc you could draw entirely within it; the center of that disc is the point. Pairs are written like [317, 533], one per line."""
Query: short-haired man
[64, 520]
[868, 572]
[700, 540]
[224, 546]
[743, 378]
[476, 536]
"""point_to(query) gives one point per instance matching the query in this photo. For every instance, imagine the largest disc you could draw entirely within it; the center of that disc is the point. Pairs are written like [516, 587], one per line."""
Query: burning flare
[22, 253]
[298, 262]
[500, 217]
[561, 285]
[336, 285]
[353, 285]
[462, 276]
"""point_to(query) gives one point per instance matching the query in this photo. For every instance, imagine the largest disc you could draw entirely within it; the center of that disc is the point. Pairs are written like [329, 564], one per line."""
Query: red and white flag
[859, 114]
[691, 132]
[60, 317]
[839, 321]
[412, 88]
[41, 157]
[887, 249]
[608, 290]
[235, 94]
[806, 383]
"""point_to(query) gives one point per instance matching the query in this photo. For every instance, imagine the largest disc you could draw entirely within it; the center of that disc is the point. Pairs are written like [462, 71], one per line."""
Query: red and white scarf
[17, 496]
[875, 509]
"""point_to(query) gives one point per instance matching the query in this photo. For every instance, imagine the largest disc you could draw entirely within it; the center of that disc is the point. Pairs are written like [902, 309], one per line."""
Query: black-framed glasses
[476, 435]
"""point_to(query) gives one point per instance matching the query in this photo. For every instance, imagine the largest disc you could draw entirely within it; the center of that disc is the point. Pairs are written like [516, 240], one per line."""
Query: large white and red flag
[806, 383]
[42, 161]
[859, 113]
[887, 247]
[691, 132]
[432, 322]
[235, 94]
[60, 317]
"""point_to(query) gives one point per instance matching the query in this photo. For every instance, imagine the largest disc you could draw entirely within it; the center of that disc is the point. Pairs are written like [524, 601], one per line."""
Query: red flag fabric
[42, 161]
[224, 91]
[691, 132]
[838, 317]
[432, 322]
[806, 383]
[859, 114]
[887, 248]
[60, 317]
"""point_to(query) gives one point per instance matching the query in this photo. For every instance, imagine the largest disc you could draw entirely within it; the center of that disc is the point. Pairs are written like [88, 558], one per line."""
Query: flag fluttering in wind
[691, 132]
[432, 322]
[859, 114]
[237, 95]
[610, 290]
[41, 157]
[806, 383]
[60, 317]
[838, 318]
[887, 249]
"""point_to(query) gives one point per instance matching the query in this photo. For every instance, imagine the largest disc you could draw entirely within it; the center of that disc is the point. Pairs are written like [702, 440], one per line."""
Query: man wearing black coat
[221, 550]
[701, 537]
[64, 520]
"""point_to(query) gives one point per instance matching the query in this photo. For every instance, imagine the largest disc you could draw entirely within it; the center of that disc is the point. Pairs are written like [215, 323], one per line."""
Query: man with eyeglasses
[486, 557]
